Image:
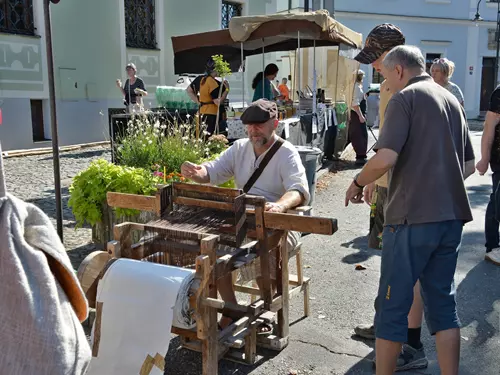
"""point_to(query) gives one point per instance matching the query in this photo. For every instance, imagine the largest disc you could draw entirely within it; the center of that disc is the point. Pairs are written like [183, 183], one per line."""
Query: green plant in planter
[89, 188]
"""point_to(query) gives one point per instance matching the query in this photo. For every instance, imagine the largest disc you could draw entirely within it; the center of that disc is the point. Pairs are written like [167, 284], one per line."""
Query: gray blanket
[41, 302]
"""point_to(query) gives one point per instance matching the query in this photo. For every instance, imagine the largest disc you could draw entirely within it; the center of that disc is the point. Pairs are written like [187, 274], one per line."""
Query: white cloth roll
[140, 301]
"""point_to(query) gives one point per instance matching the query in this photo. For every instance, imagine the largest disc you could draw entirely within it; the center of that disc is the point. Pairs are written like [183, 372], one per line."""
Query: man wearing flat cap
[379, 42]
[282, 181]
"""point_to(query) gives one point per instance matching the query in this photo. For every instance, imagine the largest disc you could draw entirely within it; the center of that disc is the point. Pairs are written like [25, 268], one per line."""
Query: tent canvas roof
[278, 32]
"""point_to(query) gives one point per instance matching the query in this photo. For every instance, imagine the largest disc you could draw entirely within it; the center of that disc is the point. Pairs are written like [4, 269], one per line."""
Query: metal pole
[53, 118]
[299, 75]
[243, 76]
[497, 35]
[263, 69]
[315, 96]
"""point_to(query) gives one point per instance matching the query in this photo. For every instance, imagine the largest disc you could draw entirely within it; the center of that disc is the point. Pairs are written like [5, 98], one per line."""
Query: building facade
[440, 28]
[93, 40]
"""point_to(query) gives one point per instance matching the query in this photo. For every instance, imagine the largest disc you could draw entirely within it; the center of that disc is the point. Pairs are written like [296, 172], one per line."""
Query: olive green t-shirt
[426, 126]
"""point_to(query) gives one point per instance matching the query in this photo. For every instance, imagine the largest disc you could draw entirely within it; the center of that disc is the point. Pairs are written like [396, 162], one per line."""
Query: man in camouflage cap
[381, 40]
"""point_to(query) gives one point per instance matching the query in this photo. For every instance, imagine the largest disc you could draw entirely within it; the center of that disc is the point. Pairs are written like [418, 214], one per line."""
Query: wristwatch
[356, 182]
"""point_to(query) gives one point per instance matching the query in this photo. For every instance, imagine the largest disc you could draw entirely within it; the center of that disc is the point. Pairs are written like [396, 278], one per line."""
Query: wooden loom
[193, 221]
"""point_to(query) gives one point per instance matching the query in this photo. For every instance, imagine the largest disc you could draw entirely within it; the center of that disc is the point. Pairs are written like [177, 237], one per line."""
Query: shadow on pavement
[181, 361]
[81, 154]
[478, 305]
[364, 253]
[479, 195]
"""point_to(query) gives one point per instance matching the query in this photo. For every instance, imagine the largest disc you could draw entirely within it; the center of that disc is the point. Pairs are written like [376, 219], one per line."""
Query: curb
[48, 150]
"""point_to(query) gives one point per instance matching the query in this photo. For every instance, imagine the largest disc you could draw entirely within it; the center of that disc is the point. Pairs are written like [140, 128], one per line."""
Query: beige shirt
[283, 173]
[385, 96]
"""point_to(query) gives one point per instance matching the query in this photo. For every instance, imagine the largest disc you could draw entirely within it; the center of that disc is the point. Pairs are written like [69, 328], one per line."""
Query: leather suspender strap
[263, 164]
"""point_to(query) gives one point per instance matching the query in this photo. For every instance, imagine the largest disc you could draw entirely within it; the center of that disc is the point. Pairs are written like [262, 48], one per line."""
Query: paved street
[31, 178]
[341, 297]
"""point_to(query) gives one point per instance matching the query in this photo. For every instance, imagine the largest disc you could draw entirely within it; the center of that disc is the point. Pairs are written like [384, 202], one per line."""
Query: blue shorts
[425, 252]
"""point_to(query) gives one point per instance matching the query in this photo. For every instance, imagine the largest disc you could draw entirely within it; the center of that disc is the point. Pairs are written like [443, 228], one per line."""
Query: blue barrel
[310, 157]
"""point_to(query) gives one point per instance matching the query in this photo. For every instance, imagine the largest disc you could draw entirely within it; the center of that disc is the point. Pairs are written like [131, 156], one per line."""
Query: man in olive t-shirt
[490, 154]
[425, 134]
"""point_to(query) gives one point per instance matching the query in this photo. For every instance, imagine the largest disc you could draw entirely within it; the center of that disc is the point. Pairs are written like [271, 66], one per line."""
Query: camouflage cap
[259, 112]
[381, 39]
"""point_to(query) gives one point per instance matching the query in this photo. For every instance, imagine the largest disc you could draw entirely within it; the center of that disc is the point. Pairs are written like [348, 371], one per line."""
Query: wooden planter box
[102, 232]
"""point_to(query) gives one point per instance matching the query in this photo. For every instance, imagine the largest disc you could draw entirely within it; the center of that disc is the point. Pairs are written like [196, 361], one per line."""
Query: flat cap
[381, 39]
[259, 112]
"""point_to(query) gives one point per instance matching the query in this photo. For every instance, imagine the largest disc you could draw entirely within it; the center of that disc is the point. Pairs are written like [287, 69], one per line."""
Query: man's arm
[289, 200]
[215, 172]
[293, 175]
[390, 144]
[195, 172]
[377, 166]
[469, 157]
[490, 124]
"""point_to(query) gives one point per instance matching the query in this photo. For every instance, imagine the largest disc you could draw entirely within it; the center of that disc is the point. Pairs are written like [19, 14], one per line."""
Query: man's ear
[399, 70]
[276, 123]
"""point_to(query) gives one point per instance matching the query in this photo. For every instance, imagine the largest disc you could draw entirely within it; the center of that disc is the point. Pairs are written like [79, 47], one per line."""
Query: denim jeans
[427, 252]
[491, 225]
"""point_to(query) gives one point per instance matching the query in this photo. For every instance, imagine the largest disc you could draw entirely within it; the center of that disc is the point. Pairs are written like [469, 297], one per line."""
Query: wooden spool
[89, 271]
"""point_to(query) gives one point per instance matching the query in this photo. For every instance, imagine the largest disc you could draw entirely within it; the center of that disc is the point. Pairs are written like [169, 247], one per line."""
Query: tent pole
[242, 76]
[299, 75]
[315, 96]
[263, 67]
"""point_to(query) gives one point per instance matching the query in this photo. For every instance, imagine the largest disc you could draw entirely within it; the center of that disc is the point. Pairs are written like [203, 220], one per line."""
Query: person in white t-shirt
[357, 131]
[283, 181]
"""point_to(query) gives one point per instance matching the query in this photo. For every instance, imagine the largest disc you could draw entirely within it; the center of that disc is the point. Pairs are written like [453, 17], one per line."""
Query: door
[487, 82]
[37, 120]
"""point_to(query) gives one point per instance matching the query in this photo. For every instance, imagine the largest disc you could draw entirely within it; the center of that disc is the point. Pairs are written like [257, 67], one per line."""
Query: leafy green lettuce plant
[89, 188]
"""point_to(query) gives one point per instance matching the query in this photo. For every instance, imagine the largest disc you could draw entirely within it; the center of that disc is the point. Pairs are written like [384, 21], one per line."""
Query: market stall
[248, 36]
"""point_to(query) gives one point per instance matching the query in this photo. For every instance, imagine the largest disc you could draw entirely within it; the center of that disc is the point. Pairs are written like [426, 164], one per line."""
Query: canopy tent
[302, 32]
[248, 36]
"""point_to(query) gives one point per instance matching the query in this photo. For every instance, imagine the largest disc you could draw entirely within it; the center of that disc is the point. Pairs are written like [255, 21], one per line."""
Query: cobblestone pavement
[31, 178]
